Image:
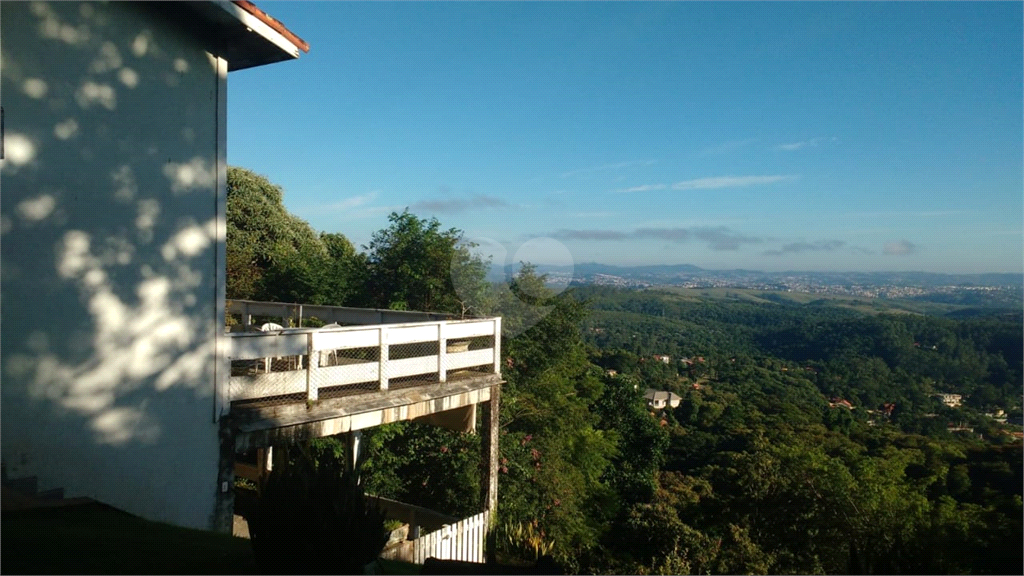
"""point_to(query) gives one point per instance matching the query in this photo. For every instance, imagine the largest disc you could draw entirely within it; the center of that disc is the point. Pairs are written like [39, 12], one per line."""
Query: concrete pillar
[355, 441]
[490, 449]
[265, 460]
[490, 454]
[222, 518]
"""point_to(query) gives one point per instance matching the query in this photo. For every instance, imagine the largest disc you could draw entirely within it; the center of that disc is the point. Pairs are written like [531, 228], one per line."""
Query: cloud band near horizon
[717, 238]
[714, 183]
[457, 205]
[797, 247]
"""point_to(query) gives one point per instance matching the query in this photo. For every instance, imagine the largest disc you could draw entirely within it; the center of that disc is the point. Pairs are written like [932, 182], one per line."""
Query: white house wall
[108, 271]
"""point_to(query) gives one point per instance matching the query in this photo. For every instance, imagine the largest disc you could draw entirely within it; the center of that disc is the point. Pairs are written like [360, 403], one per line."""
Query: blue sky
[772, 136]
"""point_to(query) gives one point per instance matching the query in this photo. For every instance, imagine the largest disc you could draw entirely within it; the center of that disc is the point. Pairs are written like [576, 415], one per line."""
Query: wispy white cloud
[351, 202]
[370, 212]
[722, 238]
[589, 235]
[727, 147]
[644, 188]
[670, 234]
[899, 248]
[352, 208]
[614, 166]
[593, 214]
[796, 247]
[897, 214]
[717, 238]
[805, 143]
[729, 182]
[456, 205]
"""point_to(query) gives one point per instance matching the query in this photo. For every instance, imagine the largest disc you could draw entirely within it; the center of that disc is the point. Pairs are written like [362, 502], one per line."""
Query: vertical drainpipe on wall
[221, 370]
[223, 513]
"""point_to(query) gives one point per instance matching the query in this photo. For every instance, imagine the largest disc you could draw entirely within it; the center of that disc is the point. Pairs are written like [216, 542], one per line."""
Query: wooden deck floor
[267, 422]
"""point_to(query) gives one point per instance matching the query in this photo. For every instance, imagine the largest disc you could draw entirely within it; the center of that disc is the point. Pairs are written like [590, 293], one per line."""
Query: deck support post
[355, 446]
[490, 455]
[222, 518]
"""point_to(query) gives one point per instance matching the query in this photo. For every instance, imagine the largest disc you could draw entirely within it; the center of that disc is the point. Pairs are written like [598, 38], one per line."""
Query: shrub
[313, 518]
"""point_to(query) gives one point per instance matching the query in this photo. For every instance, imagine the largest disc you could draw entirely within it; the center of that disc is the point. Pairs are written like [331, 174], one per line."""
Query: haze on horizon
[766, 136]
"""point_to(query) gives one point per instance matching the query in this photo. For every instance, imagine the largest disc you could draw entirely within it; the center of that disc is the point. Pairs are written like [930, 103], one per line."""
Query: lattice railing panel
[337, 361]
[468, 353]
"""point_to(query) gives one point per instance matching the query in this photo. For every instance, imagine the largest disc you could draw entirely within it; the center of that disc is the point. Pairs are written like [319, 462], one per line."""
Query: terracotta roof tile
[273, 23]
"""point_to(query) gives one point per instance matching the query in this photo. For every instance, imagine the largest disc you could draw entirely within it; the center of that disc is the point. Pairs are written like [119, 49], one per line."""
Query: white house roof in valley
[249, 36]
[661, 395]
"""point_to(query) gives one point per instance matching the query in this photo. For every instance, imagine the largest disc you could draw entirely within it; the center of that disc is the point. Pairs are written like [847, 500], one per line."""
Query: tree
[344, 272]
[274, 255]
[554, 454]
[642, 441]
[415, 265]
[313, 517]
[424, 465]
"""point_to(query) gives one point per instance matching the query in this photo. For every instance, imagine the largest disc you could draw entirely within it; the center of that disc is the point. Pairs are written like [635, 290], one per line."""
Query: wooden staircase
[23, 493]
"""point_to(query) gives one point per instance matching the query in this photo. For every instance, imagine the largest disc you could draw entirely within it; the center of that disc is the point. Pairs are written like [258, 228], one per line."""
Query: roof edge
[274, 24]
[263, 24]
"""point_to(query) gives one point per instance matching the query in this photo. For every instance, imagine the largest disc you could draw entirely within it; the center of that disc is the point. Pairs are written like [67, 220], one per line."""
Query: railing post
[312, 364]
[383, 340]
[497, 345]
[442, 351]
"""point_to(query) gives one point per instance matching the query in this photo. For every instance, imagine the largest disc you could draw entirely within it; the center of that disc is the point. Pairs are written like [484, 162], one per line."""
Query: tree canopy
[274, 255]
[414, 264]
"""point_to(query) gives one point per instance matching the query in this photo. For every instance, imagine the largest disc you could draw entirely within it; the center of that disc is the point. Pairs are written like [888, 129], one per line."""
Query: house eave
[248, 37]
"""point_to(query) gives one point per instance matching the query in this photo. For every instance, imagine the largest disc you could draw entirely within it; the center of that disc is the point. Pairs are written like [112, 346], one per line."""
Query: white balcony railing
[353, 358]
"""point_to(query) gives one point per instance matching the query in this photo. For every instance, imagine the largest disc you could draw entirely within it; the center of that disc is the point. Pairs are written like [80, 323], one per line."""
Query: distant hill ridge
[655, 273]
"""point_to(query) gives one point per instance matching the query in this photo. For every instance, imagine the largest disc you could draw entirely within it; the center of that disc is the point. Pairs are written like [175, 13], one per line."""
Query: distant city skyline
[766, 136]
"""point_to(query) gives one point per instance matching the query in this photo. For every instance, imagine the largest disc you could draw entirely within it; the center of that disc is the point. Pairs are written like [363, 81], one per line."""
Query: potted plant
[461, 345]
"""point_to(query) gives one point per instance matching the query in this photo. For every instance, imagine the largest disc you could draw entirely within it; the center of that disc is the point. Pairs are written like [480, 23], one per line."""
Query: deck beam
[260, 426]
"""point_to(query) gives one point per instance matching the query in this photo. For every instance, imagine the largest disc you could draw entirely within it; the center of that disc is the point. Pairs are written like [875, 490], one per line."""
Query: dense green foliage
[763, 475]
[415, 265]
[274, 256]
[809, 436]
[312, 518]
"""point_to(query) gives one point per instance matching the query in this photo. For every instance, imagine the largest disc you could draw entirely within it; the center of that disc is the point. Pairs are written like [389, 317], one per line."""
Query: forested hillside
[807, 439]
[810, 438]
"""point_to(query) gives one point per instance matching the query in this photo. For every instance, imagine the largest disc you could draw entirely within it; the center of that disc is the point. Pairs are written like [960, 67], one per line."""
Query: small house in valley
[660, 399]
[837, 402]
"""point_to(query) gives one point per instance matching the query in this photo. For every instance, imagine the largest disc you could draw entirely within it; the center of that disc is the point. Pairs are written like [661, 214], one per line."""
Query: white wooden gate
[463, 540]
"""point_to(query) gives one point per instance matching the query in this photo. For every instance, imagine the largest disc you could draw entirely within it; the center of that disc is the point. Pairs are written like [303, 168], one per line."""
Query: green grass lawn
[97, 539]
